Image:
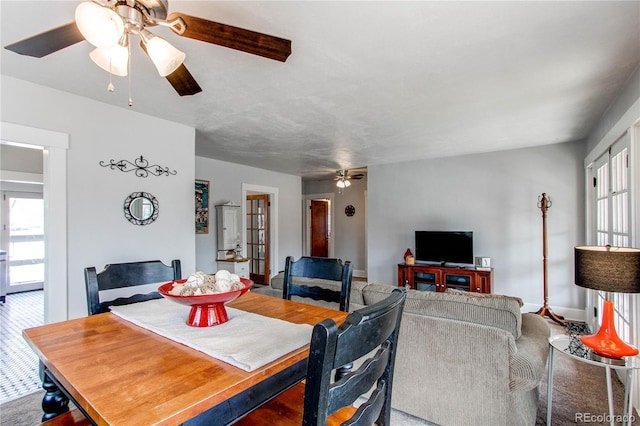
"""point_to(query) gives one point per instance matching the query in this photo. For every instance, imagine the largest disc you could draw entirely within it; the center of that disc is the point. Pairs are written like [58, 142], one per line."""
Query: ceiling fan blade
[236, 38]
[48, 42]
[184, 83]
[181, 79]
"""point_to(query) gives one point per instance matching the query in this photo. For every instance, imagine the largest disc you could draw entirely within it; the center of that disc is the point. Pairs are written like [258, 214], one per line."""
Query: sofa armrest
[529, 363]
[452, 372]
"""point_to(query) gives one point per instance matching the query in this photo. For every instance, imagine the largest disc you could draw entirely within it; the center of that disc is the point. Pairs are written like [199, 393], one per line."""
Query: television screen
[444, 246]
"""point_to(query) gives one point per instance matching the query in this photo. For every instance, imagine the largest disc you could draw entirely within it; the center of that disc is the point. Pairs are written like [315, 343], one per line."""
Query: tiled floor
[18, 363]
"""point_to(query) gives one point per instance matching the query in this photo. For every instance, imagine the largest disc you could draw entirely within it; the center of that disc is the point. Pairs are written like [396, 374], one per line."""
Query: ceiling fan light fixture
[343, 179]
[165, 57]
[100, 25]
[113, 59]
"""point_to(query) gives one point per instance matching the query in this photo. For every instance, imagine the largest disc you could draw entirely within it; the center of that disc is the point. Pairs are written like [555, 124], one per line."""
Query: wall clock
[349, 210]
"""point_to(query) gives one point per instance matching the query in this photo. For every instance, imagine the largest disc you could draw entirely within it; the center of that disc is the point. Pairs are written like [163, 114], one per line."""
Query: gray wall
[226, 181]
[20, 159]
[628, 98]
[495, 196]
[97, 232]
[349, 233]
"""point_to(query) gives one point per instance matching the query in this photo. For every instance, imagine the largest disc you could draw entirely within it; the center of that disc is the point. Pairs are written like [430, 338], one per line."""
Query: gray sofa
[463, 358]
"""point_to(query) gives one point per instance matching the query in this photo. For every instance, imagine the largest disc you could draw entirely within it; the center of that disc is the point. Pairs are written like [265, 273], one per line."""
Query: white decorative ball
[223, 285]
[222, 275]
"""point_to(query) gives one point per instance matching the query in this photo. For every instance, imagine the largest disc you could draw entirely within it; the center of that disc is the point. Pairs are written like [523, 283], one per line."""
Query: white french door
[23, 240]
[610, 207]
[612, 220]
[258, 240]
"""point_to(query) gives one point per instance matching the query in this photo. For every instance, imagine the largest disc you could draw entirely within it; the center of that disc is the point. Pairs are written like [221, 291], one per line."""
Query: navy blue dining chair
[126, 276]
[320, 401]
[322, 268]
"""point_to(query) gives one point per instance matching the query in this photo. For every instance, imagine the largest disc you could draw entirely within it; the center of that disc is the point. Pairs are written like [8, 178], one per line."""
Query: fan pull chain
[110, 86]
[129, 72]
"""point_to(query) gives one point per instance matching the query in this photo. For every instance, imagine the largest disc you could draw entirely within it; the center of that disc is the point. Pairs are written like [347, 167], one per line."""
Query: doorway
[272, 222]
[320, 230]
[258, 237]
[22, 237]
[23, 240]
[321, 233]
[55, 216]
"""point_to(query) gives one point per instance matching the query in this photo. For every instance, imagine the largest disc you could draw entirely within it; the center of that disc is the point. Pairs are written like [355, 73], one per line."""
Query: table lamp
[610, 269]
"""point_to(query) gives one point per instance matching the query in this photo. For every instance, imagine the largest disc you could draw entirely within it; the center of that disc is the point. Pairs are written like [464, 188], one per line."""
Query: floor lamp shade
[610, 269]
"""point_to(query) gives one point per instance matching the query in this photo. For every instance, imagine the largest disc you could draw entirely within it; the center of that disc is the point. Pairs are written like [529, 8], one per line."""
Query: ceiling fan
[343, 178]
[109, 25]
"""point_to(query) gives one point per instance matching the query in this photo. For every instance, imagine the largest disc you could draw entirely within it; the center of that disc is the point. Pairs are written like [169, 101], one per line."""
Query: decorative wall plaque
[349, 210]
[140, 166]
[202, 206]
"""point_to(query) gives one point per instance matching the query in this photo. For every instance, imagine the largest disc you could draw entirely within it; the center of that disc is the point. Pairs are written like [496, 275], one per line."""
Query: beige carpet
[577, 388]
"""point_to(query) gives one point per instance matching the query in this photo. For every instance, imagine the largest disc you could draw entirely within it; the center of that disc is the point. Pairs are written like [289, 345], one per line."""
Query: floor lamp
[613, 270]
[544, 203]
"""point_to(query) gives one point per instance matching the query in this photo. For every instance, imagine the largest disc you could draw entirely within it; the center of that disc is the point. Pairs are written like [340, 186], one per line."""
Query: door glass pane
[258, 236]
[26, 240]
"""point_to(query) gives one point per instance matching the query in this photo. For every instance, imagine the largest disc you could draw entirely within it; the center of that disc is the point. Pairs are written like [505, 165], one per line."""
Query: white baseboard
[567, 313]
[359, 273]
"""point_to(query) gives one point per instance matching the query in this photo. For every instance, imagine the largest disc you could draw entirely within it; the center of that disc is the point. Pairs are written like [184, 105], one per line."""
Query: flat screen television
[444, 247]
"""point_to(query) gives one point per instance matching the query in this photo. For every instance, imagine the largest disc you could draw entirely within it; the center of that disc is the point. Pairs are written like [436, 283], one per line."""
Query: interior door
[258, 237]
[319, 228]
[23, 240]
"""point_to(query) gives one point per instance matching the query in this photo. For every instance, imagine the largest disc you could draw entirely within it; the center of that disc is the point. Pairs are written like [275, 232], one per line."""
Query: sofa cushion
[355, 297]
[474, 294]
[493, 310]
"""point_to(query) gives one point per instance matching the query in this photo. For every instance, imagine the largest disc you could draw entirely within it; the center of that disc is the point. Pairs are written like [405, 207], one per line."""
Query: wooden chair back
[121, 275]
[365, 330]
[371, 332]
[318, 267]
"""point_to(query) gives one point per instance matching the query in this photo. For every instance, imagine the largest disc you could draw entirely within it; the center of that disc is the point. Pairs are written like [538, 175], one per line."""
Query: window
[23, 239]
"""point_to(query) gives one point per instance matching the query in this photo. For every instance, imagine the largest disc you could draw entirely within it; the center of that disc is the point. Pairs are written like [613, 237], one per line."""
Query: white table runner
[247, 341]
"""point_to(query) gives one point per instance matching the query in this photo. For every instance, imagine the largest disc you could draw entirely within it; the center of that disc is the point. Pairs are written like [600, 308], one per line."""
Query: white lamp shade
[347, 183]
[100, 25]
[340, 183]
[165, 57]
[111, 59]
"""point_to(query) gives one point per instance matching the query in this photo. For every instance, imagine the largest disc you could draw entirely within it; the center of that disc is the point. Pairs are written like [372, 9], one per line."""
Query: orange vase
[606, 341]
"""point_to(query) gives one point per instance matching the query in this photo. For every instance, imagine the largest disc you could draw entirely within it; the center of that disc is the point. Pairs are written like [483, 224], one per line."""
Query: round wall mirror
[141, 208]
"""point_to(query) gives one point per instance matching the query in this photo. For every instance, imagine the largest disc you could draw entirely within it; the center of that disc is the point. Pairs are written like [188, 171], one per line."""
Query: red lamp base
[606, 342]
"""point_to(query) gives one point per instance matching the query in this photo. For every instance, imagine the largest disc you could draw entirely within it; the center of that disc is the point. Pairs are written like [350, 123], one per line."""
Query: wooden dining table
[118, 373]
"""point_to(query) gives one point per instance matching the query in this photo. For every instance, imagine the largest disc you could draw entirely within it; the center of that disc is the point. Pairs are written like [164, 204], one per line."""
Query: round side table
[561, 343]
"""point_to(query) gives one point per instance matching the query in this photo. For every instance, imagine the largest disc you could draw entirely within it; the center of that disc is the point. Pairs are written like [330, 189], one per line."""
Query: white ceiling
[367, 82]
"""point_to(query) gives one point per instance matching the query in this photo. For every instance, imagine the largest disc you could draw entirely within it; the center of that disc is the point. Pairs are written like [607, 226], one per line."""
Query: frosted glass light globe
[100, 25]
[165, 57]
[111, 59]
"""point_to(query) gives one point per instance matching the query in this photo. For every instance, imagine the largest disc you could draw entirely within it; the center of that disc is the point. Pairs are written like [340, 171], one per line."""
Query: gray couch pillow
[493, 310]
